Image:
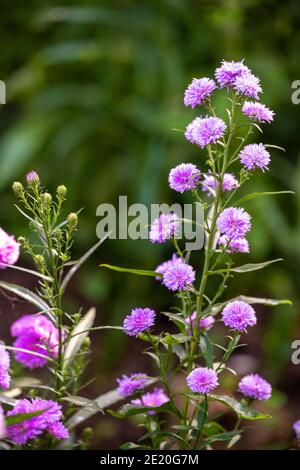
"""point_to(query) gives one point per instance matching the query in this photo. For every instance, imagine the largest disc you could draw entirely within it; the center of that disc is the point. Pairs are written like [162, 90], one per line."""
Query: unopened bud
[72, 219]
[17, 188]
[61, 191]
[47, 198]
[40, 260]
[21, 240]
[32, 177]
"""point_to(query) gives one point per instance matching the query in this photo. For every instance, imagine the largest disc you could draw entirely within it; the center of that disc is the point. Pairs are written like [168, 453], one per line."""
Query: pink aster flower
[152, 399]
[38, 334]
[247, 84]
[296, 427]
[163, 267]
[234, 222]
[179, 276]
[184, 177]
[229, 71]
[127, 385]
[140, 319]
[32, 177]
[4, 367]
[205, 131]
[255, 156]
[198, 91]
[205, 323]
[9, 249]
[165, 227]
[235, 245]
[202, 380]
[258, 111]
[190, 129]
[211, 183]
[254, 386]
[2, 424]
[49, 420]
[238, 315]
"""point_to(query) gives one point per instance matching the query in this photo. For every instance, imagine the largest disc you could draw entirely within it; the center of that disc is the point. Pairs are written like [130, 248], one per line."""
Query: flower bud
[72, 219]
[47, 198]
[17, 188]
[61, 191]
[32, 177]
[40, 260]
[21, 240]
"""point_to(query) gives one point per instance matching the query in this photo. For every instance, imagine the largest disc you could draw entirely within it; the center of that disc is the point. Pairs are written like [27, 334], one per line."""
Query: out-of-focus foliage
[94, 90]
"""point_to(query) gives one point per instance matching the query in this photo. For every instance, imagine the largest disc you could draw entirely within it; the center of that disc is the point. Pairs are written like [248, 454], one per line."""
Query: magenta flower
[127, 385]
[255, 156]
[2, 424]
[190, 129]
[165, 227]
[247, 84]
[9, 249]
[235, 245]
[198, 91]
[205, 131]
[205, 323]
[254, 386]
[229, 71]
[179, 276]
[49, 421]
[184, 177]
[258, 111]
[211, 183]
[234, 222]
[38, 334]
[202, 380]
[163, 267]
[152, 399]
[4, 367]
[296, 427]
[139, 320]
[238, 315]
[32, 177]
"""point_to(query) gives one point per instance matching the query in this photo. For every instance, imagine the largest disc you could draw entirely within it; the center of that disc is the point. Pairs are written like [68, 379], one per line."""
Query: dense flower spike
[9, 249]
[234, 245]
[296, 427]
[184, 177]
[238, 315]
[179, 276]
[247, 84]
[205, 131]
[255, 156]
[234, 222]
[163, 267]
[38, 334]
[165, 227]
[229, 71]
[140, 319]
[198, 91]
[204, 323]
[254, 386]
[152, 399]
[4, 367]
[258, 111]
[127, 385]
[49, 420]
[211, 183]
[202, 380]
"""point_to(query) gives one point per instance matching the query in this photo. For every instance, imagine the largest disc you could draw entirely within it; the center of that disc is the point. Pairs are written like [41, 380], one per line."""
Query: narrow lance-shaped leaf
[246, 268]
[241, 410]
[250, 196]
[21, 417]
[139, 272]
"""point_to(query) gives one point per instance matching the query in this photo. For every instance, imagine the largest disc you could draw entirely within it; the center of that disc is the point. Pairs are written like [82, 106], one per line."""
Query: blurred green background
[94, 89]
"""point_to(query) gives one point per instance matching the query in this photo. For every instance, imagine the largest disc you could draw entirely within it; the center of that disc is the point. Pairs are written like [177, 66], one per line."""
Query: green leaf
[131, 410]
[83, 402]
[241, 410]
[26, 294]
[207, 349]
[224, 436]
[211, 428]
[139, 272]
[175, 339]
[246, 268]
[20, 417]
[250, 196]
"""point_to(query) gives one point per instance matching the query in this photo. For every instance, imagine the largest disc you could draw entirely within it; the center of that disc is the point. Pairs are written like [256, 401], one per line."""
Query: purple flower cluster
[238, 315]
[4, 367]
[258, 111]
[49, 420]
[35, 333]
[247, 84]
[210, 183]
[184, 177]
[140, 319]
[202, 380]
[205, 323]
[165, 227]
[127, 385]
[235, 245]
[255, 156]
[179, 276]
[198, 91]
[9, 249]
[205, 131]
[229, 72]
[152, 399]
[163, 267]
[296, 427]
[32, 177]
[234, 222]
[254, 386]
